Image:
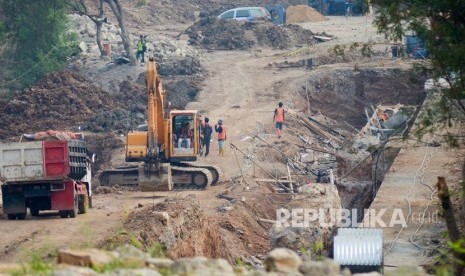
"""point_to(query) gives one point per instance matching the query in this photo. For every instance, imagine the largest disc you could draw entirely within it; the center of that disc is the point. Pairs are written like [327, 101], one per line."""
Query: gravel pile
[303, 13]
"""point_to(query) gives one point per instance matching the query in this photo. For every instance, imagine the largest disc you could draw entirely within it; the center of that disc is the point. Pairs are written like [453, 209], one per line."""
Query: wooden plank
[322, 38]
[270, 180]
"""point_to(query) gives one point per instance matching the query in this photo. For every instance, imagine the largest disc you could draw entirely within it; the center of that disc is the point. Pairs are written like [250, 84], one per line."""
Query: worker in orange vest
[221, 130]
[278, 118]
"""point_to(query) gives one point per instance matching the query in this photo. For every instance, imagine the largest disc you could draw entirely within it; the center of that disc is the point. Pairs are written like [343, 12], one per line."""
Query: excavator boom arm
[155, 110]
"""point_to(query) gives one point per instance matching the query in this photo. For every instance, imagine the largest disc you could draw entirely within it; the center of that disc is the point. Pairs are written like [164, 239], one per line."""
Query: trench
[343, 95]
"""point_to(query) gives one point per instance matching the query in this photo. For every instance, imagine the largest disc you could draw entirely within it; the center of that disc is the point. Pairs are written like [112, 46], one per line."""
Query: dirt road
[48, 232]
[241, 92]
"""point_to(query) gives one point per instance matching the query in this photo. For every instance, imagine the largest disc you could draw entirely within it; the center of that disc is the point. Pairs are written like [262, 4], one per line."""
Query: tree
[118, 12]
[38, 41]
[441, 25]
[80, 7]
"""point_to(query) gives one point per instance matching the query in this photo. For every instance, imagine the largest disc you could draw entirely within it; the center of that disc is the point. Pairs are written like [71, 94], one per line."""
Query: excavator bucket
[159, 180]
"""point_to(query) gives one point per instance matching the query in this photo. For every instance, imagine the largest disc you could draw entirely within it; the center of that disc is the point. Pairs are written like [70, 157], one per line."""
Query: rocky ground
[230, 70]
[129, 260]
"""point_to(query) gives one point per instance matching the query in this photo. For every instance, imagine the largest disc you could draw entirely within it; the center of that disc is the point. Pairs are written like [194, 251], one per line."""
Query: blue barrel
[413, 42]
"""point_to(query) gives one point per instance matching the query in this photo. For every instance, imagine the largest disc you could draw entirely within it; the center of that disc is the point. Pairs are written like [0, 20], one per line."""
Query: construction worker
[185, 136]
[278, 118]
[141, 48]
[348, 8]
[207, 136]
[221, 130]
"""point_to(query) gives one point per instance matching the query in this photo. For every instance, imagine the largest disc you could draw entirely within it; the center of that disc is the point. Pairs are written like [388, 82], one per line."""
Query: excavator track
[214, 170]
[189, 177]
[127, 177]
[201, 178]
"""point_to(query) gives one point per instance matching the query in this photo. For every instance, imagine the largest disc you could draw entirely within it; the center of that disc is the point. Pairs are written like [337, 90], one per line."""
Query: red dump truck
[45, 175]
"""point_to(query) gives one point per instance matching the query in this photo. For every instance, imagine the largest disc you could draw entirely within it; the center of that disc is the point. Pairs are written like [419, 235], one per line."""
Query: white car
[246, 13]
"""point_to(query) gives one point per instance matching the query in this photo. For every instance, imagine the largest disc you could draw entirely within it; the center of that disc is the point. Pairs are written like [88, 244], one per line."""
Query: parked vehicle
[247, 14]
[45, 175]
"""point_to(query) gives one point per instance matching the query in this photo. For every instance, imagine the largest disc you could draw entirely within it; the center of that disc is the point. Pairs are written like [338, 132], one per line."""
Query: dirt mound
[58, 101]
[67, 100]
[282, 38]
[214, 34]
[180, 66]
[182, 228]
[182, 91]
[178, 225]
[303, 13]
[132, 98]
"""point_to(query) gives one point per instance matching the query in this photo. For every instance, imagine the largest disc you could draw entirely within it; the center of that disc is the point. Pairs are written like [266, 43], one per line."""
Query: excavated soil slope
[182, 228]
[59, 101]
[66, 100]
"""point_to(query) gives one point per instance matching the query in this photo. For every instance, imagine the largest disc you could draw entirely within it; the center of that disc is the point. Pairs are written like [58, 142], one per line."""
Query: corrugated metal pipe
[359, 249]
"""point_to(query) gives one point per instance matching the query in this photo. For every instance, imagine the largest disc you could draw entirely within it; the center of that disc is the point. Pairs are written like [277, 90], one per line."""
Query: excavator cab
[185, 140]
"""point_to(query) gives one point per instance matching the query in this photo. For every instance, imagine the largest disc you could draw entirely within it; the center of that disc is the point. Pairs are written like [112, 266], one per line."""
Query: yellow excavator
[167, 147]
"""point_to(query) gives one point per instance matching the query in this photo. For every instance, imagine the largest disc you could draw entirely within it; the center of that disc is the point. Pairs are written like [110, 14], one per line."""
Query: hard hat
[220, 121]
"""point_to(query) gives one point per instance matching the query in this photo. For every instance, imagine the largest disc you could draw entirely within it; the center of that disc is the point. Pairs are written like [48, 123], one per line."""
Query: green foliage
[339, 50]
[36, 265]
[457, 246]
[2, 31]
[165, 271]
[157, 250]
[120, 238]
[354, 46]
[111, 266]
[241, 263]
[134, 241]
[141, 3]
[39, 266]
[441, 266]
[38, 32]
[441, 25]
[366, 50]
[303, 251]
[318, 250]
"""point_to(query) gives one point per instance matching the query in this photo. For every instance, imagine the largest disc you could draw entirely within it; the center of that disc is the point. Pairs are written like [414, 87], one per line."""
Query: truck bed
[38, 161]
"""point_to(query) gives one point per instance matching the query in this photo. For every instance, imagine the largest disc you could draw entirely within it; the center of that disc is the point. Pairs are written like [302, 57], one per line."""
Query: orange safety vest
[279, 115]
[222, 135]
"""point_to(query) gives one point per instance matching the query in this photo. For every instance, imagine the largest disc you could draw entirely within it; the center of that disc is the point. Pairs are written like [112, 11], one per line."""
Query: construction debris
[309, 63]
[53, 135]
[384, 120]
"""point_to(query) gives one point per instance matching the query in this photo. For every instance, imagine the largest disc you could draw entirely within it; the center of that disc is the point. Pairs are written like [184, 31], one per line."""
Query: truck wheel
[74, 212]
[21, 216]
[63, 214]
[11, 216]
[83, 204]
[34, 212]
